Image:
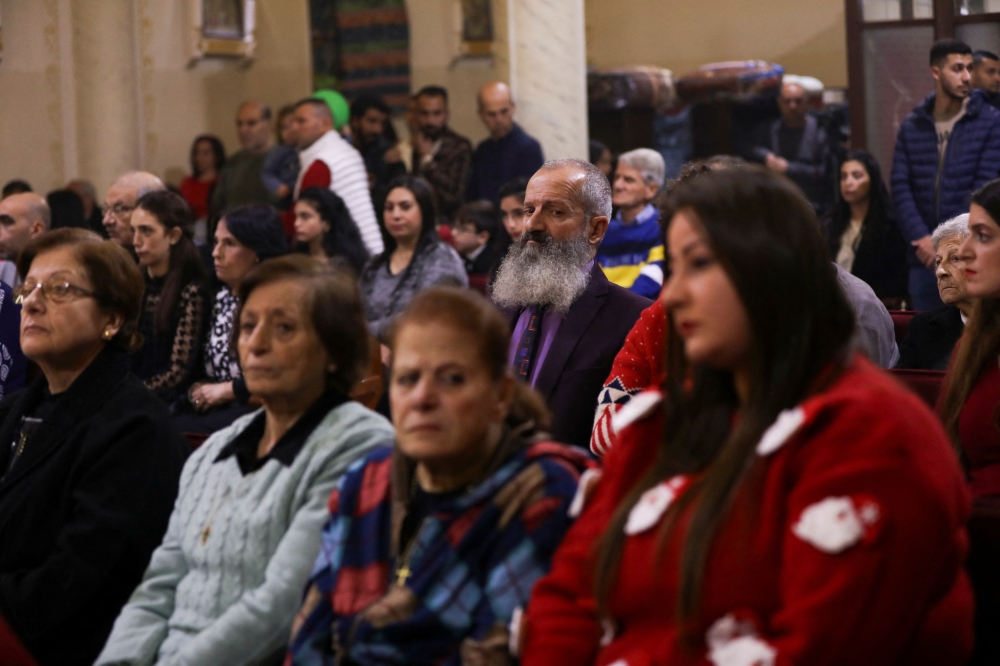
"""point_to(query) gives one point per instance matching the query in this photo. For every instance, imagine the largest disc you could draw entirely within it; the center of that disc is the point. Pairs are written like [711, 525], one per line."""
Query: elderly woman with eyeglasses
[89, 457]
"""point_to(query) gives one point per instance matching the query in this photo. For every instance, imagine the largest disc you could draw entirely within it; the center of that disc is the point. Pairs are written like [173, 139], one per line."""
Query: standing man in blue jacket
[946, 148]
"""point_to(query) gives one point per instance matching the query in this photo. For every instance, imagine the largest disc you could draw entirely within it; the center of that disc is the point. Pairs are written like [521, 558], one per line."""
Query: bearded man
[568, 321]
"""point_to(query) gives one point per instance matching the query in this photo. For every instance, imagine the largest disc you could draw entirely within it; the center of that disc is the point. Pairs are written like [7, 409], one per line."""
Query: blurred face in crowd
[446, 406]
[86, 194]
[629, 189]
[309, 123]
[552, 208]
[253, 129]
[986, 75]
[232, 258]
[496, 109]
[604, 163]
[282, 356]
[403, 219]
[119, 203]
[370, 126]
[19, 223]
[432, 115]
[309, 226]
[855, 184]
[792, 104]
[467, 239]
[153, 242]
[706, 310]
[287, 130]
[512, 209]
[204, 158]
[950, 271]
[953, 75]
[981, 254]
[67, 330]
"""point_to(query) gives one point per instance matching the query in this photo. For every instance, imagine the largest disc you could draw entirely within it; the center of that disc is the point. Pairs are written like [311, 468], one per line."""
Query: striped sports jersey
[632, 254]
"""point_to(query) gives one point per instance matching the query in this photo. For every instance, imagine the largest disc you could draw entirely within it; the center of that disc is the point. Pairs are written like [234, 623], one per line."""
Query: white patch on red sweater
[835, 524]
[653, 504]
[636, 409]
[787, 424]
[732, 642]
[584, 489]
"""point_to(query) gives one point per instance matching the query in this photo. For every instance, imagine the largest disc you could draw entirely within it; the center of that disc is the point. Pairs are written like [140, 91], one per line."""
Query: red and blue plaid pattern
[471, 564]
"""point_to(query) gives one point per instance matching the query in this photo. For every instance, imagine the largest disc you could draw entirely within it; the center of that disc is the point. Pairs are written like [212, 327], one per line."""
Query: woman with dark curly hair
[325, 230]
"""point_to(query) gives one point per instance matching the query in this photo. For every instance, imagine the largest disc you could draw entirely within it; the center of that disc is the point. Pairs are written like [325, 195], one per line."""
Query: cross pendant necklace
[402, 573]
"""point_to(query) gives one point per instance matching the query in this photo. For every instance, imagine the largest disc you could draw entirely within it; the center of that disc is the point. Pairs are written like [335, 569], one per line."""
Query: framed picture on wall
[477, 27]
[222, 28]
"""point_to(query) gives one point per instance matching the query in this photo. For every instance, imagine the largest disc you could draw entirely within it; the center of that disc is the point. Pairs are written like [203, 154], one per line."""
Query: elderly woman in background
[223, 586]
[88, 485]
[931, 335]
[174, 305]
[431, 547]
[245, 236]
[415, 258]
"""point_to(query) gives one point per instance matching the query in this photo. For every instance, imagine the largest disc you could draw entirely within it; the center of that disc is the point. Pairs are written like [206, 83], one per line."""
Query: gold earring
[107, 334]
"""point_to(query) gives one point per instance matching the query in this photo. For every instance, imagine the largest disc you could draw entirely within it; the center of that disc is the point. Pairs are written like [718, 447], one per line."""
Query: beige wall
[435, 41]
[95, 88]
[805, 36]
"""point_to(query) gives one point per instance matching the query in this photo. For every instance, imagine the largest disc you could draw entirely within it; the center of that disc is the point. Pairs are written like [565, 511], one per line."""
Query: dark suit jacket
[83, 508]
[581, 355]
[930, 339]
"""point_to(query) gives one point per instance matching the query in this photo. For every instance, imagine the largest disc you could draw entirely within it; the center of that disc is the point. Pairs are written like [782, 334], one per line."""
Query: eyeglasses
[118, 209]
[56, 290]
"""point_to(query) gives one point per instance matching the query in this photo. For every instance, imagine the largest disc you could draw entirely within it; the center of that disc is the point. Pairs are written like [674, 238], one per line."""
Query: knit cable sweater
[230, 598]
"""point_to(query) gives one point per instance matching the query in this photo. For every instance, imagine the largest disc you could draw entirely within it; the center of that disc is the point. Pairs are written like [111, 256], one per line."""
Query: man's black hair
[360, 106]
[945, 47]
[513, 188]
[980, 55]
[432, 91]
[15, 187]
[481, 214]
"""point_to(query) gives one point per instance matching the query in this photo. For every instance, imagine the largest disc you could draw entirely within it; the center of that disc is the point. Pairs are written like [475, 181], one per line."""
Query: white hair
[647, 162]
[595, 193]
[956, 227]
[549, 274]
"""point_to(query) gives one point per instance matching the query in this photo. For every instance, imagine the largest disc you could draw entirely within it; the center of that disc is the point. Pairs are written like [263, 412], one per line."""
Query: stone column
[109, 135]
[542, 46]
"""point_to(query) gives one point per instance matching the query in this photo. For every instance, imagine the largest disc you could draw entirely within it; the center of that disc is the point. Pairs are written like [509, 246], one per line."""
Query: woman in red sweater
[969, 411]
[789, 503]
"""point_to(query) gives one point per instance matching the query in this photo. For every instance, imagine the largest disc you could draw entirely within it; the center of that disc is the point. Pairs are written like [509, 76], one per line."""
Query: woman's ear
[174, 235]
[505, 398]
[112, 325]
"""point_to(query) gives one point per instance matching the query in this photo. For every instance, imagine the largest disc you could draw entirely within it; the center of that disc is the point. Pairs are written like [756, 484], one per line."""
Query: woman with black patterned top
[245, 236]
[174, 305]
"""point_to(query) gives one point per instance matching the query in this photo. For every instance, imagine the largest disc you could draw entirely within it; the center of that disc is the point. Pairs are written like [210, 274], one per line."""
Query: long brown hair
[171, 211]
[980, 342]
[766, 237]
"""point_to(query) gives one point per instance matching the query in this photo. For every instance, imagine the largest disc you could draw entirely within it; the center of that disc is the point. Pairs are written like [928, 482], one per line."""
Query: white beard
[549, 274]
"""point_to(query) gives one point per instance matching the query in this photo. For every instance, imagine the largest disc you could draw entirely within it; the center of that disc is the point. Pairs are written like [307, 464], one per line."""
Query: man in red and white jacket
[327, 160]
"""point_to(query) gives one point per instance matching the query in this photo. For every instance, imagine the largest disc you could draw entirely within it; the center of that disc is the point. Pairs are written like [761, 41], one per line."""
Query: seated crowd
[658, 430]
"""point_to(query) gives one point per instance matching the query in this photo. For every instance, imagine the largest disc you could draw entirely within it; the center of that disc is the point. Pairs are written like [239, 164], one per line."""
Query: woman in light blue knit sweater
[224, 585]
